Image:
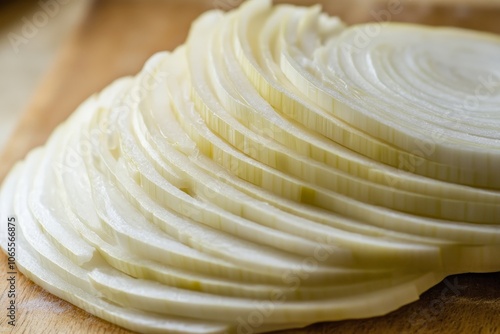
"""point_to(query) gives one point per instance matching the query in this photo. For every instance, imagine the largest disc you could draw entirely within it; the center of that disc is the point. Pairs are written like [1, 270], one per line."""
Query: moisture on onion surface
[274, 171]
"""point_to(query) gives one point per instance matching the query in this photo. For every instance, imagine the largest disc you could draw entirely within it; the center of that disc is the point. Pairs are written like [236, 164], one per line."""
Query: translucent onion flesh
[275, 159]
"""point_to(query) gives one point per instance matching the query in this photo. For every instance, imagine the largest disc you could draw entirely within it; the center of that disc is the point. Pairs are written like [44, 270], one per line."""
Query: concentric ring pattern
[278, 169]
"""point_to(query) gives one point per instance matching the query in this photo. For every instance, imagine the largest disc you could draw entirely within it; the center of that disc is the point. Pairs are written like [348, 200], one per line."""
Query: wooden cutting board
[115, 40]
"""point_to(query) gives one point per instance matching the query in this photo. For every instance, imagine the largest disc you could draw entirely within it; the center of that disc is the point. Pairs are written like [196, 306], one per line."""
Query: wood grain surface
[115, 40]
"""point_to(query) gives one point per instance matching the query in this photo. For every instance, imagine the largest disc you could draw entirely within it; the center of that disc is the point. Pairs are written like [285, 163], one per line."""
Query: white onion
[271, 160]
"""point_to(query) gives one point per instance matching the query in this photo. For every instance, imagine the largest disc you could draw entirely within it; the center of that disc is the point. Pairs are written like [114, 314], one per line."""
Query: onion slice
[269, 163]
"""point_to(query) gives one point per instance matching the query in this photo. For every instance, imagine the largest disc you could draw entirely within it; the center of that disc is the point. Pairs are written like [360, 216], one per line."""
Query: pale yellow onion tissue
[275, 164]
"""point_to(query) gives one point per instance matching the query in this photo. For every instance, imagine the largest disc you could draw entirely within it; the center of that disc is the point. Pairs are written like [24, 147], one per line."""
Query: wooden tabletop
[115, 39]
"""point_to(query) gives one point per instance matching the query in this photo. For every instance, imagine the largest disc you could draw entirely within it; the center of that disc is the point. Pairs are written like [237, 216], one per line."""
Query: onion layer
[275, 160]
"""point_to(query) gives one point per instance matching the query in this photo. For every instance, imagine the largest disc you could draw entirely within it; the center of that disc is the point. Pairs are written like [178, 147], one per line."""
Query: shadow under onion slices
[261, 164]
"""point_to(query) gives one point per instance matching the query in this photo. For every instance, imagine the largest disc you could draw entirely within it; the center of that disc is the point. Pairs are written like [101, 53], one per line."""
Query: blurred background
[55, 53]
[21, 71]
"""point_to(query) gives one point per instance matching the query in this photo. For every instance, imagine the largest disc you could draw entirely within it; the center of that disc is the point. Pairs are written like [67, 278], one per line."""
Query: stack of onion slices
[275, 171]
